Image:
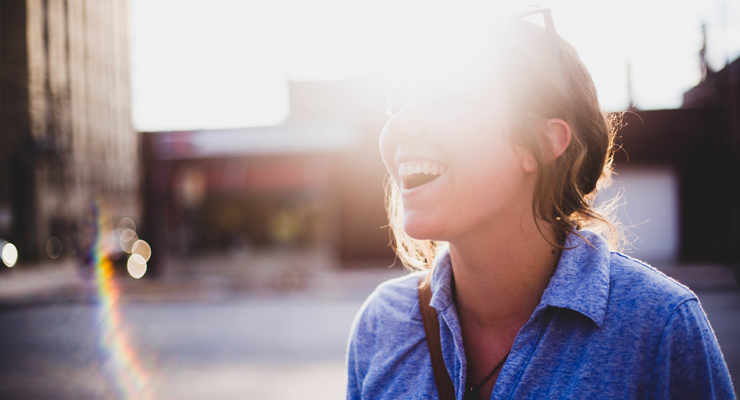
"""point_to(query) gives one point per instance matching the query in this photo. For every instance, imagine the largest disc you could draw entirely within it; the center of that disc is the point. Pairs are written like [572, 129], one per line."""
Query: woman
[494, 171]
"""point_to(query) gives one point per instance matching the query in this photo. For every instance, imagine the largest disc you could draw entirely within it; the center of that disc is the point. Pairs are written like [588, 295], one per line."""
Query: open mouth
[418, 173]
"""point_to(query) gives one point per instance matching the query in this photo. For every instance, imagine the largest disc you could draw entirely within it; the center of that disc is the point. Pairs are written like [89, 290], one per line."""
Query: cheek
[485, 153]
[490, 174]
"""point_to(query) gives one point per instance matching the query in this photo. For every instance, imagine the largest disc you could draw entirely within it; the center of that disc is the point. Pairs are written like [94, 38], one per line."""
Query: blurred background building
[316, 180]
[313, 184]
[66, 131]
[679, 173]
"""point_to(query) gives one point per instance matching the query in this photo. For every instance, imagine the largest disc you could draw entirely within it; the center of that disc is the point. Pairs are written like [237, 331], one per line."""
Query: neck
[500, 274]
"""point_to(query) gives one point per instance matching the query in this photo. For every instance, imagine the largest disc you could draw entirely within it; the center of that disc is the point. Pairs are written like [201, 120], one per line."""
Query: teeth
[415, 167]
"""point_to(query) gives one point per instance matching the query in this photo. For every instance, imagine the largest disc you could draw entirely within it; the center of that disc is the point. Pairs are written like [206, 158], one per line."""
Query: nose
[404, 126]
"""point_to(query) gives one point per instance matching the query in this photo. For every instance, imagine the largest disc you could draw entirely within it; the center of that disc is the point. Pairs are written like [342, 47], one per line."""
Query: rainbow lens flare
[122, 363]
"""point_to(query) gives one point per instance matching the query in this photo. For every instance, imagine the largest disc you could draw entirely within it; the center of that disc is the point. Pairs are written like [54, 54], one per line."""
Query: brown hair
[566, 187]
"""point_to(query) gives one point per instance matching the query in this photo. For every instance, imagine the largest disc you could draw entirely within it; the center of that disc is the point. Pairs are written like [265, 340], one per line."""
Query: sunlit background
[192, 201]
[226, 63]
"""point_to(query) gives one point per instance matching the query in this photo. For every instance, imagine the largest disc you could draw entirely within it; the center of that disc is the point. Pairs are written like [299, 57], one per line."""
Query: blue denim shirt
[608, 327]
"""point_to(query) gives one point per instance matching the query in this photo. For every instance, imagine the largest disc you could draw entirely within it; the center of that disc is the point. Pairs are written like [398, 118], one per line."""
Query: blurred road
[210, 339]
[274, 344]
[268, 348]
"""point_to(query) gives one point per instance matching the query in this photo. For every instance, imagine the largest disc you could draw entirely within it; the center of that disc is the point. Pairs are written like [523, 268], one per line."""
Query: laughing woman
[494, 173]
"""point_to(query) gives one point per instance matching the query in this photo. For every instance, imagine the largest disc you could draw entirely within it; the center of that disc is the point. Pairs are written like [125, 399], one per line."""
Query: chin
[421, 227]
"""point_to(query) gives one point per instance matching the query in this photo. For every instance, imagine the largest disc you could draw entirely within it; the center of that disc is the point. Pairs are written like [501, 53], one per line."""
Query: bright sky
[226, 63]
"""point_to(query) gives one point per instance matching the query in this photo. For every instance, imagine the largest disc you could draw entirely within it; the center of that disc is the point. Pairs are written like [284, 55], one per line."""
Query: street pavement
[222, 335]
[219, 337]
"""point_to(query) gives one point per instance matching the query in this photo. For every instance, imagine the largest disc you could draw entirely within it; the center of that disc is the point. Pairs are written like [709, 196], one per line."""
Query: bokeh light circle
[136, 266]
[128, 238]
[9, 254]
[53, 247]
[142, 248]
[126, 223]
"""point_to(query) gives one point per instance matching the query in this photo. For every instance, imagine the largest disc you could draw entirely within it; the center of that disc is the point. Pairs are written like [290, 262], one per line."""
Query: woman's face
[451, 156]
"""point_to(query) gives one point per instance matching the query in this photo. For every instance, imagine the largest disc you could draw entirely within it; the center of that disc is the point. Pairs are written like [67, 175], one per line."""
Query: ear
[560, 134]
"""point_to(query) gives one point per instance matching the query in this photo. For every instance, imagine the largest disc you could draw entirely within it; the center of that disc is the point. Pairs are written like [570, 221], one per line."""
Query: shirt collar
[580, 281]
[442, 280]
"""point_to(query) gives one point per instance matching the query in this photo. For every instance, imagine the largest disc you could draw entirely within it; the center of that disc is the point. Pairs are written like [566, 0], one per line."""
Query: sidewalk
[38, 283]
[221, 277]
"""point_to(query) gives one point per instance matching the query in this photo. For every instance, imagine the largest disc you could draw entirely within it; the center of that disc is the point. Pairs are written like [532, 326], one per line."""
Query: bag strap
[445, 389]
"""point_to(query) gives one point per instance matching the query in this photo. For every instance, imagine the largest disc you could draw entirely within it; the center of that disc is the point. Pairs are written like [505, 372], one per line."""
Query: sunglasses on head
[552, 36]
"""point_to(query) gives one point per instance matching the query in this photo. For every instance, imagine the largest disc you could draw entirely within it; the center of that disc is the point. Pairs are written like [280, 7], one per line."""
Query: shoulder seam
[626, 257]
[660, 338]
[651, 268]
